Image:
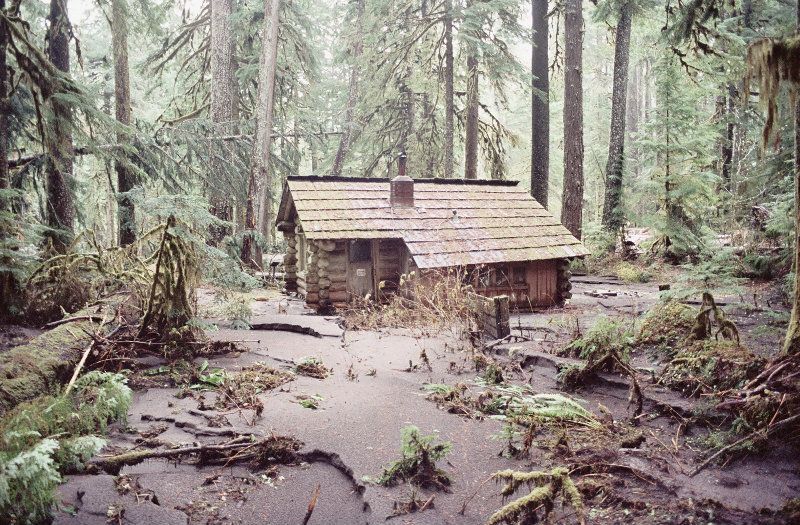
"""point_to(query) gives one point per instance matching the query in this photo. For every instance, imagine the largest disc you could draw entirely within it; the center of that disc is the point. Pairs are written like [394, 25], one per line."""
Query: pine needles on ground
[546, 488]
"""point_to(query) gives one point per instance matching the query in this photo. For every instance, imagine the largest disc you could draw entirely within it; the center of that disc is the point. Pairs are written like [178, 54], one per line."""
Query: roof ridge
[435, 180]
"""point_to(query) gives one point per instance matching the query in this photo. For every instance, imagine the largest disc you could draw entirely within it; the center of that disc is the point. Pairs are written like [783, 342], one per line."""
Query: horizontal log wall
[491, 314]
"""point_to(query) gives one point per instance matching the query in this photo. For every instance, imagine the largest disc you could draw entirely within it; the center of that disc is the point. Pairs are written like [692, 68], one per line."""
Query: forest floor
[351, 421]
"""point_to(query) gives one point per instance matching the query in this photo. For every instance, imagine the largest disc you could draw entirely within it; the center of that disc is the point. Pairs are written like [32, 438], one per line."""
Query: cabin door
[359, 271]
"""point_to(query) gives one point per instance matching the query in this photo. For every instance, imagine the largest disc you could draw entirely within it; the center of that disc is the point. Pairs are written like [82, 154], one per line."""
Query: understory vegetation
[53, 435]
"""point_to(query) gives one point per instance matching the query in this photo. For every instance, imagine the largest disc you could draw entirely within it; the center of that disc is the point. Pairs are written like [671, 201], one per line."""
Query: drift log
[46, 362]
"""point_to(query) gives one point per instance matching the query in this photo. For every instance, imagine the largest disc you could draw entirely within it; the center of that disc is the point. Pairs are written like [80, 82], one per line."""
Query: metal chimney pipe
[401, 188]
[401, 164]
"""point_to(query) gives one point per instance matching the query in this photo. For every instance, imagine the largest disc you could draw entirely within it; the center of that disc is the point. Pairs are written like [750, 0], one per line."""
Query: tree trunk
[259, 188]
[448, 90]
[613, 218]
[792, 343]
[349, 127]
[5, 203]
[222, 95]
[540, 104]
[572, 199]
[60, 206]
[122, 100]
[726, 149]
[471, 138]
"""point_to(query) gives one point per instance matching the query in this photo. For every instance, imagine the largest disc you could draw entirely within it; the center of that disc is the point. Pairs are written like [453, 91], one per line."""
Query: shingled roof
[454, 222]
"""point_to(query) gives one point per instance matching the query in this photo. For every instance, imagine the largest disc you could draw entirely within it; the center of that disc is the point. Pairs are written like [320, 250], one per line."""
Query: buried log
[273, 449]
[48, 361]
[286, 327]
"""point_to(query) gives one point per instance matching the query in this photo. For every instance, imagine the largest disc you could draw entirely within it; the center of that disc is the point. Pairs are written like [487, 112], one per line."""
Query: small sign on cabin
[361, 272]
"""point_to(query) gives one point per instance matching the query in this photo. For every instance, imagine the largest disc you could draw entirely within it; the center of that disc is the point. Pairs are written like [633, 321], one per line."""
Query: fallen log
[286, 327]
[48, 361]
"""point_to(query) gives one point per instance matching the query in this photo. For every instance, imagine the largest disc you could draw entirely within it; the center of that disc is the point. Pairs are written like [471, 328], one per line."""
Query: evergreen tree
[540, 103]
[572, 199]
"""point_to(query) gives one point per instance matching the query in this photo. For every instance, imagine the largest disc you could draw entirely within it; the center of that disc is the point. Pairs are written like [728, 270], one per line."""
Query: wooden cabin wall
[542, 280]
[387, 258]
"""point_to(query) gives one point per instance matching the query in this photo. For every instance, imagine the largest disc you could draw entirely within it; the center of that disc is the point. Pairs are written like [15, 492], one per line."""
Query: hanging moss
[772, 61]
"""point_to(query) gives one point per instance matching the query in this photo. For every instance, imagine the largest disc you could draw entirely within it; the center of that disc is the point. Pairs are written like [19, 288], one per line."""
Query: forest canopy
[617, 114]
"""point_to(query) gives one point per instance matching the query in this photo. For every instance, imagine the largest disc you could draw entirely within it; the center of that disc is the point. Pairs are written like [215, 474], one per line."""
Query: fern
[30, 466]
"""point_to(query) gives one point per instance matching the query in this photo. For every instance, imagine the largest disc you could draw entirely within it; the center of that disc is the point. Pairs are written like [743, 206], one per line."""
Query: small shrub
[710, 366]
[632, 274]
[666, 325]
[606, 334]
[312, 367]
[418, 462]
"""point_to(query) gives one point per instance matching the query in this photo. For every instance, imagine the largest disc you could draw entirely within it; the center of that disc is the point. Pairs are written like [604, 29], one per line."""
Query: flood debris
[411, 504]
[258, 453]
[418, 462]
[606, 347]
[312, 367]
[546, 489]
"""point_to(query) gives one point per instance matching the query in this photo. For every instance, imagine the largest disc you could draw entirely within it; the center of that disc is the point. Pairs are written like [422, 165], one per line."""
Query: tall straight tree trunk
[613, 218]
[792, 343]
[122, 101]
[572, 198]
[348, 130]
[5, 203]
[259, 189]
[449, 110]
[540, 104]
[60, 206]
[222, 97]
[726, 149]
[471, 138]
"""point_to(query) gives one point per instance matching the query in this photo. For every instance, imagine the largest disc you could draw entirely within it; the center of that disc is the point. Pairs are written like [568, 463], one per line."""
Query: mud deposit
[349, 424]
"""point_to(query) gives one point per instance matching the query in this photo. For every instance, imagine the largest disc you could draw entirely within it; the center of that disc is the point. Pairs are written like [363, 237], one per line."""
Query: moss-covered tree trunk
[613, 218]
[122, 99]
[572, 199]
[792, 343]
[4, 110]
[222, 98]
[47, 362]
[60, 206]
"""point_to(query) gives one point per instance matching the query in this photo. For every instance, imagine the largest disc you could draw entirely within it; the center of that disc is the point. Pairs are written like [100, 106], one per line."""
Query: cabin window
[502, 276]
[519, 274]
[485, 277]
[360, 250]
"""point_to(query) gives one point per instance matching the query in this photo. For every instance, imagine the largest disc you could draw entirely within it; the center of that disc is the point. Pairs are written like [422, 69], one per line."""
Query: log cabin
[355, 237]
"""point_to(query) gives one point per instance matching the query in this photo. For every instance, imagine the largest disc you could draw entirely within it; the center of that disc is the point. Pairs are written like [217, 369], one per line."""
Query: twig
[311, 505]
[766, 431]
[470, 498]
[72, 319]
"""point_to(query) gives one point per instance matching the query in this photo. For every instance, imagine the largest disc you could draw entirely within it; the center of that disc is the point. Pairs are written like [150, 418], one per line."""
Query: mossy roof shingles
[452, 223]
